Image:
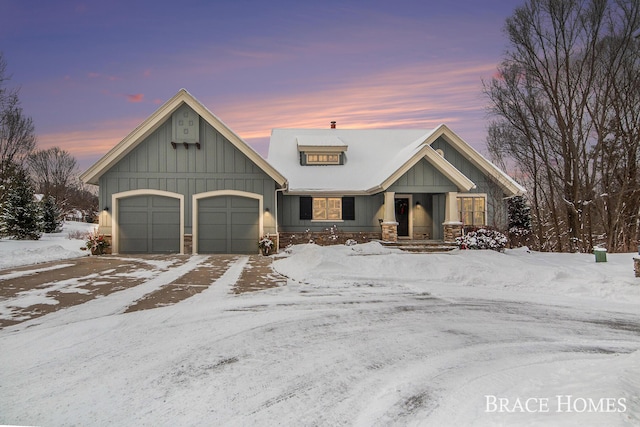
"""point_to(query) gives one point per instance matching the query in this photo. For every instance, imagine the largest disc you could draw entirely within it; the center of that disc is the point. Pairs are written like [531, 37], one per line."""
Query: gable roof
[155, 120]
[375, 160]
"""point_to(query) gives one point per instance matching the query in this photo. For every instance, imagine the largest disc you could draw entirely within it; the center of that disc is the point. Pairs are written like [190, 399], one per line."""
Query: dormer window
[323, 158]
[320, 150]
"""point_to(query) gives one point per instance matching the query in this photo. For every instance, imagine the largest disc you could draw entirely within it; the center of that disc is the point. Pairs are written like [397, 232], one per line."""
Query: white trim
[410, 197]
[115, 206]
[432, 157]
[473, 195]
[217, 193]
[511, 187]
[153, 122]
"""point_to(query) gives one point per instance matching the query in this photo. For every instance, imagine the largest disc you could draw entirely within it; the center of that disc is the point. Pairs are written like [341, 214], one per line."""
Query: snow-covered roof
[375, 159]
[371, 154]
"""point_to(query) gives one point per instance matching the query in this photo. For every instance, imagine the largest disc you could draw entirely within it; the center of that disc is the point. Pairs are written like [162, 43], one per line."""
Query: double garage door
[151, 224]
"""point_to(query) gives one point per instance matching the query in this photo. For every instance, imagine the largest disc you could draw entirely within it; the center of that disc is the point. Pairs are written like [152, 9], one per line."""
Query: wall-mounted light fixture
[106, 209]
[418, 203]
[266, 210]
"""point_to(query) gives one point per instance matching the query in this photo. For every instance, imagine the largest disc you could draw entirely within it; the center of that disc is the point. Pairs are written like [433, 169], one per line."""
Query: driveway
[150, 281]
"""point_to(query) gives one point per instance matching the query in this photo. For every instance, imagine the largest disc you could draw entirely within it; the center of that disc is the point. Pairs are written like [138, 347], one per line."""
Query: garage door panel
[244, 232]
[134, 218]
[244, 202]
[213, 202]
[132, 202]
[243, 218]
[165, 218]
[243, 246]
[149, 224]
[228, 224]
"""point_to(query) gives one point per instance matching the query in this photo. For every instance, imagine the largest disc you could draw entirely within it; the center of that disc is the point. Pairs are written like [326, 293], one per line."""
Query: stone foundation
[188, 244]
[636, 265]
[390, 231]
[324, 238]
[451, 231]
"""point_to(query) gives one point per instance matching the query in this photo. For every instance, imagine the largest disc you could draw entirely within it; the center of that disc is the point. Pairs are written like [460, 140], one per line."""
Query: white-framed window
[323, 158]
[327, 208]
[472, 210]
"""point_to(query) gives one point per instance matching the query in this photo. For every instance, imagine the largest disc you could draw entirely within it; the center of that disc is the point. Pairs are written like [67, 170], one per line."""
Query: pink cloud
[137, 97]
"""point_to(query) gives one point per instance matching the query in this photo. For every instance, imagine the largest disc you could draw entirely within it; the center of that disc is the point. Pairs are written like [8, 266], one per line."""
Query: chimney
[333, 124]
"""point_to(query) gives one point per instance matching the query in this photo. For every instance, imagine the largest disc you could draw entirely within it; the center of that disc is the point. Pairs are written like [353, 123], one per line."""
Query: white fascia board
[440, 163]
[238, 142]
[447, 169]
[155, 120]
[144, 129]
[508, 184]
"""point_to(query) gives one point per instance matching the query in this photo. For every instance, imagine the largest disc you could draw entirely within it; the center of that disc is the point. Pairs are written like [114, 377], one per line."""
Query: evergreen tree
[51, 214]
[519, 221]
[20, 217]
[519, 213]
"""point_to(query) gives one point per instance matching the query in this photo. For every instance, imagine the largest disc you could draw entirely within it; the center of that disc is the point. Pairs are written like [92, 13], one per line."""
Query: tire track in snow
[115, 303]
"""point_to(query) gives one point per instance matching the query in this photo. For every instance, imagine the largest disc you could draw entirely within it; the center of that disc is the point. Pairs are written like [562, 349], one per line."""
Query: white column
[389, 208]
[451, 209]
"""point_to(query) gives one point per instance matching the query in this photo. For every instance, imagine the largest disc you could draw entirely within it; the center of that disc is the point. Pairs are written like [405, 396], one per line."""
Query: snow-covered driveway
[358, 336]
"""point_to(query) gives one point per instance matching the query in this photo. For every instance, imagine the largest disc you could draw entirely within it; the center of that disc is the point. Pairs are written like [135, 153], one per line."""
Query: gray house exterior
[183, 182]
[386, 183]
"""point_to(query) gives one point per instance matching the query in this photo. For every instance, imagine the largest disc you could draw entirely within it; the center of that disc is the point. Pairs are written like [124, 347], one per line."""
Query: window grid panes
[327, 208]
[472, 210]
[323, 159]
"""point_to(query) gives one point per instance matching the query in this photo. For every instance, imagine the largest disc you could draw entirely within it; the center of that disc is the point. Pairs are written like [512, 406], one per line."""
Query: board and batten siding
[423, 177]
[496, 206]
[218, 165]
[367, 209]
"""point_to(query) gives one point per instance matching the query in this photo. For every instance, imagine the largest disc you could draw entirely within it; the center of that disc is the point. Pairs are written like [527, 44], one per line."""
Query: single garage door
[149, 224]
[228, 224]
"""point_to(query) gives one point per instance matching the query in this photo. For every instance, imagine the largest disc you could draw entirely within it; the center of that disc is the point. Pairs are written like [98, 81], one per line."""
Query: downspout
[275, 201]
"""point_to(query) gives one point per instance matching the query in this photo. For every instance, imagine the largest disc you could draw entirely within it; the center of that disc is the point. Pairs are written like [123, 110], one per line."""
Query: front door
[402, 216]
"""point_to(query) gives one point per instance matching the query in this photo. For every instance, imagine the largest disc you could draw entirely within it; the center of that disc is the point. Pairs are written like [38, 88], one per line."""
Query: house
[183, 182]
[390, 183]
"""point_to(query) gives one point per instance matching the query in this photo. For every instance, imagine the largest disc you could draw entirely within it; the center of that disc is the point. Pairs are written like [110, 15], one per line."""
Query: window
[323, 158]
[327, 208]
[472, 210]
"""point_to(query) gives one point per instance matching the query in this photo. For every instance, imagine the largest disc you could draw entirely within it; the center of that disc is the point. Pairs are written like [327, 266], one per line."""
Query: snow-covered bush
[482, 238]
[350, 242]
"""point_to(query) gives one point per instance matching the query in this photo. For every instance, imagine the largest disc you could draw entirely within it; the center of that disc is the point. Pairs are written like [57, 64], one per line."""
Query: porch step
[421, 246]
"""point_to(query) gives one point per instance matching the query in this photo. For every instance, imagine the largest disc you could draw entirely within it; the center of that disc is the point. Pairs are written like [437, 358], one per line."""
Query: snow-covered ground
[50, 247]
[361, 335]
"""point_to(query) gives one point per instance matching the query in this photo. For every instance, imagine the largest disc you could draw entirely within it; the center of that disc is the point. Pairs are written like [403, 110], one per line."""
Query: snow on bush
[482, 238]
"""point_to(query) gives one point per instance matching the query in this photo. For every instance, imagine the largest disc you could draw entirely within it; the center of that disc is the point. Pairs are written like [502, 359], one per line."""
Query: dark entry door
[402, 216]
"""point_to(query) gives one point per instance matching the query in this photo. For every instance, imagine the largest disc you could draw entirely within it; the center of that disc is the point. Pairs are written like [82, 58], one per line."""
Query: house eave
[153, 122]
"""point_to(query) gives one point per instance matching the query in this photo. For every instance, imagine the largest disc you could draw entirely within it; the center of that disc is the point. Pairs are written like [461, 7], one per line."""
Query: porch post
[389, 223]
[452, 225]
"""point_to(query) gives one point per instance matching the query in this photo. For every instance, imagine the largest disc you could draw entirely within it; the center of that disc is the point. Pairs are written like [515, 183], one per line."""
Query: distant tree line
[566, 118]
[38, 188]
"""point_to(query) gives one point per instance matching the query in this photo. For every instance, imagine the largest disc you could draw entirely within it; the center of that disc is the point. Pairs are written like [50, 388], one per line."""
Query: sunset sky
[90, 71]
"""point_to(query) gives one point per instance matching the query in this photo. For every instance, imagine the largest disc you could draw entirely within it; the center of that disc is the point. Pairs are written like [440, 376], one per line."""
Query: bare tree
[17, 137]
[54, 172]
[558, 105]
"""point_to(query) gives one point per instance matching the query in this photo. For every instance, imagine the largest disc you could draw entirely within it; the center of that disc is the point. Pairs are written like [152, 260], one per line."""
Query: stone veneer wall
[451, 231]
[325, 238]
[390, 232]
